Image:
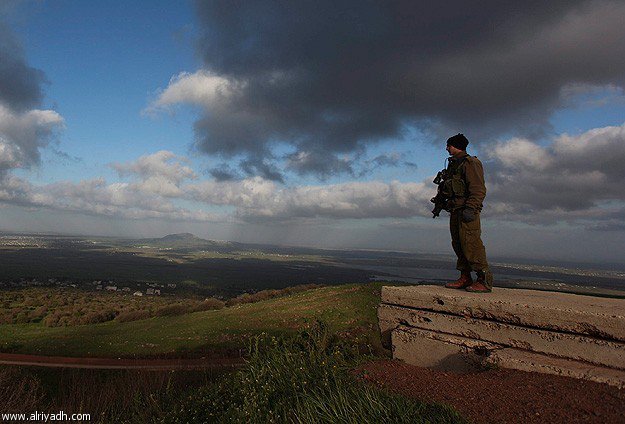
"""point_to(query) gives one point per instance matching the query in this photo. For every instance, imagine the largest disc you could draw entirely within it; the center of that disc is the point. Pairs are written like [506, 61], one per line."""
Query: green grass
[307, 377]
[301, 379]
[350, 310]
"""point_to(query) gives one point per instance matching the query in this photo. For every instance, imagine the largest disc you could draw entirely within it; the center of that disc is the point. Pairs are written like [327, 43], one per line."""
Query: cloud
[333, 77]
[20, 84]
[162, 163]
[159, 173]
[322, 164]
[223, 173]
[156, 184]
[24, 129]
[23, 134]
[258, 199]
[609, 226]
[574, 178]
[201, 88]
[257, 166]
[96, 197]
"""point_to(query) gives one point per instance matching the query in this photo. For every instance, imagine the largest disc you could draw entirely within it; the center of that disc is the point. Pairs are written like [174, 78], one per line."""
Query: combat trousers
[467, 243]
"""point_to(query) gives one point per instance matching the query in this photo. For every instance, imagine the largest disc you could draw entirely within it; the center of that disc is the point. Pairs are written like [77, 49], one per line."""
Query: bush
[96, 317]
[173, 309]
[304, 379]
[52, 320]
[269, 294]
[208, 305]
[133, 315]
[233, 302]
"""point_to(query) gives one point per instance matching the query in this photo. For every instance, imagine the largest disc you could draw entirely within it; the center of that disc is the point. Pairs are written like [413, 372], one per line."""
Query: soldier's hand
[468, 215]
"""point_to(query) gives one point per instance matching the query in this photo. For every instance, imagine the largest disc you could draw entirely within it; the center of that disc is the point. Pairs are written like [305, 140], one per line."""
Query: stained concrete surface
[572, 335]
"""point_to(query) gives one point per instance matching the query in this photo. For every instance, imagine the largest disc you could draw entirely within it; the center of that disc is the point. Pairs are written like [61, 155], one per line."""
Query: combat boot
[483, 283]
[464, 281]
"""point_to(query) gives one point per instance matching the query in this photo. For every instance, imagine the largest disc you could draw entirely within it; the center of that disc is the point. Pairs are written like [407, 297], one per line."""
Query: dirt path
[112, 363]
[503, 395]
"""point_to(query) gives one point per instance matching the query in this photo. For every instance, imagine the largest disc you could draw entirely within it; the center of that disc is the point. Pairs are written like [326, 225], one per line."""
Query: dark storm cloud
[389, 160]
[20, 84]
[223, 173]
[318, 162]
[336, 76]
[258, 166]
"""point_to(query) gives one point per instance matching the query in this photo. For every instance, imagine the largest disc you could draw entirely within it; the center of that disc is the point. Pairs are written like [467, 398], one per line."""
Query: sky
[315, 123]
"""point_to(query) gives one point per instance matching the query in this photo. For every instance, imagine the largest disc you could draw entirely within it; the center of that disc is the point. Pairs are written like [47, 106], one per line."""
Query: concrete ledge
[460, 354]
[589, 315]
[564, 334]
[565, 345]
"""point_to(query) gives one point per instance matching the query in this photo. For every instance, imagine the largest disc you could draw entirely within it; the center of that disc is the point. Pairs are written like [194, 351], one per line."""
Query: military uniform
[467, 191]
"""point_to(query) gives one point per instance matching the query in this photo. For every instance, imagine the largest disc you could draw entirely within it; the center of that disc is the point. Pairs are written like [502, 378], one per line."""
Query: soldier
[465, 192]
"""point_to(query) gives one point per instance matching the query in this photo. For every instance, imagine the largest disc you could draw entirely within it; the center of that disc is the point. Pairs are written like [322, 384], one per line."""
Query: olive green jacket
[473, 175]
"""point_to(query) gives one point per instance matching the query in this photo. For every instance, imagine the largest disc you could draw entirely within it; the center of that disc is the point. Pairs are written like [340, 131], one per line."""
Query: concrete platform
[565, 334]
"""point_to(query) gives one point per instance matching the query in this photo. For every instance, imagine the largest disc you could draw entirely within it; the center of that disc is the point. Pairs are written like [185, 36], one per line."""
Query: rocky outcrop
[565, 334]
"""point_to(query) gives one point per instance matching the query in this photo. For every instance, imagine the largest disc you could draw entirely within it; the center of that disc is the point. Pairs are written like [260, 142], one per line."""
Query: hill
[349, 310]
[186, 240]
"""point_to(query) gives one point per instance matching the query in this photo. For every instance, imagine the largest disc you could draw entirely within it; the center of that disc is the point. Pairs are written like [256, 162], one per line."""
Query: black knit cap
[459, 141]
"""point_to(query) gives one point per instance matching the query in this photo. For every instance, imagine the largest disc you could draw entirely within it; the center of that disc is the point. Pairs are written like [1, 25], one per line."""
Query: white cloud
[162, 163]
[99, 198]
[9, 155]
[22, 134]
[160, 173]
[250, 193]
[570, 179]
[200, 88]
[521, 153]
[256, 198]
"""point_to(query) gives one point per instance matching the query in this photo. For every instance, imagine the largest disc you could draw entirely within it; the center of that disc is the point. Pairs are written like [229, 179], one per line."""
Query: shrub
[233, 301]
[97, 317]
[173, 309]
[135, 315]
[208, 304]
[52, 320]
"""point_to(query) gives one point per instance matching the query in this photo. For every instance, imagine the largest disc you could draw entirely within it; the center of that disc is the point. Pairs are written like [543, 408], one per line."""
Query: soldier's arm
[474, 177]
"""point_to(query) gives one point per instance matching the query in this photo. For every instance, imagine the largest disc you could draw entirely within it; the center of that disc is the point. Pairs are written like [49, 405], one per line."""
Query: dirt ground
[503, 396]
[119, 364]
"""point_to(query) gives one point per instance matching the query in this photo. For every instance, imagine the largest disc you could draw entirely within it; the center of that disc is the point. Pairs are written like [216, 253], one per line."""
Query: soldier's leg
[474, 250]
[455, 220]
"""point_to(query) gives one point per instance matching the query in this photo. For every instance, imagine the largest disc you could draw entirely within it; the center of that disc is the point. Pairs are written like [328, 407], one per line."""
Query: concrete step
[602, 318]
[461, 354]
[558, 333]
[558, 344]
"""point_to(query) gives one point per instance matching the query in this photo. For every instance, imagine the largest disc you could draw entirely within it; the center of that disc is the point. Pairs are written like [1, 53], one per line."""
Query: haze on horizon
[321, 124]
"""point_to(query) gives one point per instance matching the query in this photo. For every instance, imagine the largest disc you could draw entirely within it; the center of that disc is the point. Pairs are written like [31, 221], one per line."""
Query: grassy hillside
[303, 378]
[349, 310]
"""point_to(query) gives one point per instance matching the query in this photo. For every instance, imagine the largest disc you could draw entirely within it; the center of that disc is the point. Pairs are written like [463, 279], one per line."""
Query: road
[118, 363]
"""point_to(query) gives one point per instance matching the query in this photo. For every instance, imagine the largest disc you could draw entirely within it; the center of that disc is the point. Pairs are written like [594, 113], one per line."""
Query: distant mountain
[187, 240]
[186, 237]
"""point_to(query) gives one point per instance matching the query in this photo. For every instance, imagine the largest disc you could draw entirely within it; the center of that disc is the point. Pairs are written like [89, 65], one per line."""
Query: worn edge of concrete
[493, 355]
[438, 351]
[595, 321]
[610, 354]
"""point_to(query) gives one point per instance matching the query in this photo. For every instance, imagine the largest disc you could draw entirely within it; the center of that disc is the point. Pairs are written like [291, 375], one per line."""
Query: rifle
[440, 200]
